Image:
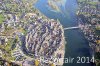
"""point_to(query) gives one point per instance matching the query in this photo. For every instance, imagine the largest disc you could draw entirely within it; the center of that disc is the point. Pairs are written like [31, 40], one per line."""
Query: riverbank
[76, 43]
[88, 14]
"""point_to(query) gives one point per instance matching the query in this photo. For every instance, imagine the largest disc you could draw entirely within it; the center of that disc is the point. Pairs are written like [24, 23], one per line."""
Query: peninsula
[27, 37]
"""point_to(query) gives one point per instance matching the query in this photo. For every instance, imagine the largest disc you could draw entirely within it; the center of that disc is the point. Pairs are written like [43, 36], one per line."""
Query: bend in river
[76, 45]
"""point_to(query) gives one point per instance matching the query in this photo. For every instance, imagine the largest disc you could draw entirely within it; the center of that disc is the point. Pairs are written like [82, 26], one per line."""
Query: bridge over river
[70, 28]
[76, 27]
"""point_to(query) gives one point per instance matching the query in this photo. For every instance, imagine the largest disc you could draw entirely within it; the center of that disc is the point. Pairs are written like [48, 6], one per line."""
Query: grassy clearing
[1, 18]
[92, 3]
[97, 32]
[81, 0]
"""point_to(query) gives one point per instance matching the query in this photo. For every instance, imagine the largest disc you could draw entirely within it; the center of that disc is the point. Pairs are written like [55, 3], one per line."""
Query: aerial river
[76, 45]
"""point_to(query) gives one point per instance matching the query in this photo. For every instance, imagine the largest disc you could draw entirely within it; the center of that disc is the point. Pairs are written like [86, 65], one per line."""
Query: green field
[97, 32]
[92, 3]
[1, 18]
[81, 0]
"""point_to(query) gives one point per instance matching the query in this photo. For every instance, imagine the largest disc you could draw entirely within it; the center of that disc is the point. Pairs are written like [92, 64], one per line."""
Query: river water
[76, 45]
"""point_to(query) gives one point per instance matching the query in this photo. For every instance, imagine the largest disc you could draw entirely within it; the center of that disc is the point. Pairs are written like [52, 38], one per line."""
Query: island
[56, 4]
[27, 37]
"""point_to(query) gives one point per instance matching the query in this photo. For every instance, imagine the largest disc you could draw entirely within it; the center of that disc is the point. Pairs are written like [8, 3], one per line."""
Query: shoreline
[89, 32]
